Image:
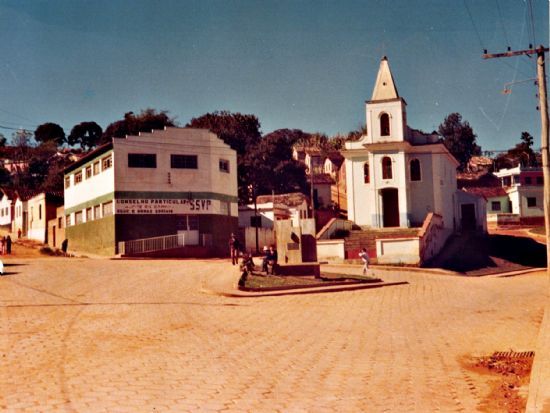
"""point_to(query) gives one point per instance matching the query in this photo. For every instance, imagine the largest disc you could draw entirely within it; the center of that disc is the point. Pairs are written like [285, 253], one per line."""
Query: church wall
[421, 192]
[444, 183]
[360, 199]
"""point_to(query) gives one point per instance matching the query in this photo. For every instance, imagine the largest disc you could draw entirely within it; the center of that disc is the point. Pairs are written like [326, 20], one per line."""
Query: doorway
[390, 207]
[468, 216]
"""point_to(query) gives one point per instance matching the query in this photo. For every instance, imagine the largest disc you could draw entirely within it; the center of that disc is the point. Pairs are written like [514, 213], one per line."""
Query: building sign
[166, 206]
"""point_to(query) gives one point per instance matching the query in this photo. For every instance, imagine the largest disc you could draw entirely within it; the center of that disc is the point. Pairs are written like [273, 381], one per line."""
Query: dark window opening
[385, 124]
[531, 201]
[183, 161]
[142, 160]
[495, 205]
[366, 172]
[386, 168]
[256, 221]
[415, 170]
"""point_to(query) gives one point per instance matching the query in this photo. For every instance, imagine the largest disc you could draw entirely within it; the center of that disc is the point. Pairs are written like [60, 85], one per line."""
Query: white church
[396, 175]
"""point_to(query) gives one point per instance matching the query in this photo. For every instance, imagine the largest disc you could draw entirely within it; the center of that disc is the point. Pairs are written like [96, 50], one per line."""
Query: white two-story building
[167, 182]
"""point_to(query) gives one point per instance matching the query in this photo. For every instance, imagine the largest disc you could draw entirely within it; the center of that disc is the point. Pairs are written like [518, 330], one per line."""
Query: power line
[531, 20]
[474, 25]
[502, 23]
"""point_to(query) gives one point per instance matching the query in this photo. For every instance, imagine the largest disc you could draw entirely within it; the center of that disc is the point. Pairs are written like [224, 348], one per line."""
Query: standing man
[8, 245]
[234, 247]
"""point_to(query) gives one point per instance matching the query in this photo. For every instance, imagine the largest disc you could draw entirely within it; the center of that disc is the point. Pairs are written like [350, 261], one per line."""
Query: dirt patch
[257, 281]
[509, 381]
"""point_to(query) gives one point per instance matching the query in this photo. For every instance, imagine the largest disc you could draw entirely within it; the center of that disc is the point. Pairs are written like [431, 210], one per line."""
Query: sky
[300, 64]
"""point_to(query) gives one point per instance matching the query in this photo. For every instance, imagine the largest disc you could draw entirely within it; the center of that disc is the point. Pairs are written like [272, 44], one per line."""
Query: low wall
[398, 251]
[266, 236]
[331, 250]
[433, 237]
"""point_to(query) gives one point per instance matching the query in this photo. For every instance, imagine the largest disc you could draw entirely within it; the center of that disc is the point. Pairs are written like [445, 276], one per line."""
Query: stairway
[358, 239]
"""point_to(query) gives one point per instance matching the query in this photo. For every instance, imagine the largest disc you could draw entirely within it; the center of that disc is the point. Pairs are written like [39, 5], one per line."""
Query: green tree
[50, 132]
[86, 134]
[270, 165]
[459, 138]
[521, 154]
[241, 132]
[3, 140]
[132, 124]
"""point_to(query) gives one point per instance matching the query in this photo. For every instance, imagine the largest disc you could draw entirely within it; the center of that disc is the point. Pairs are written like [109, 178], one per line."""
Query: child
[365, 258]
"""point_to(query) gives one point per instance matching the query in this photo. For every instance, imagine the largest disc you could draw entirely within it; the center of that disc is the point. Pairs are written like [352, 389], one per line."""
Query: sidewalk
[538, 400]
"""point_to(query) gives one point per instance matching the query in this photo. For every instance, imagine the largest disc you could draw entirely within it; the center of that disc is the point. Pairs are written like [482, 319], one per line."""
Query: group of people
[5, 245]
[269, 256]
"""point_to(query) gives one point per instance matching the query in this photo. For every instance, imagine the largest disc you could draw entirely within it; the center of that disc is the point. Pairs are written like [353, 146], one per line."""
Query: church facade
[397, 175]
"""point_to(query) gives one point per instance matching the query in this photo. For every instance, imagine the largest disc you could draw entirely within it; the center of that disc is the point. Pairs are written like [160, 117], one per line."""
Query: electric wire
[502, 24]
[473, 24]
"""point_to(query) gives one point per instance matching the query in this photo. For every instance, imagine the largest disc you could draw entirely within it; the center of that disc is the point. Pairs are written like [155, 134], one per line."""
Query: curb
[302, 291]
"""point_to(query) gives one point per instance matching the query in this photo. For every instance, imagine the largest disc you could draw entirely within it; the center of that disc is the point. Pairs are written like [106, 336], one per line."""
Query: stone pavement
[87, 335]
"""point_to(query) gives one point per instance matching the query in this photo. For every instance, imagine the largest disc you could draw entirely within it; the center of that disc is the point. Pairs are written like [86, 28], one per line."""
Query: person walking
[234, 247]
[8, 245]
[365, 258]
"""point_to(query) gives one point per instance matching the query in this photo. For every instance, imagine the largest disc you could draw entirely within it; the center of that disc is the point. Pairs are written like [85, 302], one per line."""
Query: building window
[183, 161]
[78, 177]
[88, 172]
[385, 124]
[224, 165]
[386, 168]
[67, 182]
[40, 211]
[415, 170]
[97, 211]
[495, 205]
[96, 168]
[516, 179]
[366, 173]
[142, 160]
[256, 221]
[528, 180]
[67, 221]
[539, 180]
[108, 209]
[506, 181]
[78, 217]
[531, 201]
[107, 162]
[225, 208]
[60, 222]
[88, 214]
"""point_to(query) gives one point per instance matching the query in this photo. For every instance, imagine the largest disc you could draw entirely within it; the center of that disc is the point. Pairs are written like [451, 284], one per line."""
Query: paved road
[85, 335]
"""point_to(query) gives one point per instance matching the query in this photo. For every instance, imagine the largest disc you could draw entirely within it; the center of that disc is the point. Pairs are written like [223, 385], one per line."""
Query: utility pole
[543, 107]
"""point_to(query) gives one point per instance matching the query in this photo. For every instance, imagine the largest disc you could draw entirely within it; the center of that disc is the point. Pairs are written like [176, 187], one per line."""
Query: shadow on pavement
[476, 254]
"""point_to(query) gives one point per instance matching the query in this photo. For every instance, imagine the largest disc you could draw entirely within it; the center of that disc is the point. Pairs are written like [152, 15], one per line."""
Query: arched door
[390, 207]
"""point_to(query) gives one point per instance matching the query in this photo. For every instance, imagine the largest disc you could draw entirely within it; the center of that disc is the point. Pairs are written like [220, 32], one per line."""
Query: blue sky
[294, 64]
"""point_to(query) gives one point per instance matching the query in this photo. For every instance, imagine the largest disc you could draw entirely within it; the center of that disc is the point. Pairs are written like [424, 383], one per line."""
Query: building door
[25, 224]
[188, 226]
[390, 207]
[53, 237]
[468, 216]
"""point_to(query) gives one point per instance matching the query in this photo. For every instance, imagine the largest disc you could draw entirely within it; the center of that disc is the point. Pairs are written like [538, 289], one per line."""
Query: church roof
[384, 87]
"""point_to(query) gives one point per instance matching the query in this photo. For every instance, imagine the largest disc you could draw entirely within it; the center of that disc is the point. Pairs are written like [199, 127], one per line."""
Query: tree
[50, 132]
[86, 134]
[237, 130]
[241, 132]
[21, 139]
[270, 165]
[3, 140]
[521, 154]
[146, 121]
[459, 138]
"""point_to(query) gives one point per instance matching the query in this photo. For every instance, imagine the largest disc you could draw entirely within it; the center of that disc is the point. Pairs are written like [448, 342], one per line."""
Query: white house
[167, 182]
[272, 207]
[7, 208]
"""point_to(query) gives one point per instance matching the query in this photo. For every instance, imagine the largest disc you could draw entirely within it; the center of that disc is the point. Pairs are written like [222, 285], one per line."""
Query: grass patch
[260, 281]
[538, 230]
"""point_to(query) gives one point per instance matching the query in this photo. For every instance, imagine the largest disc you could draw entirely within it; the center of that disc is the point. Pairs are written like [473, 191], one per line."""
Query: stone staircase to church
[366, 238]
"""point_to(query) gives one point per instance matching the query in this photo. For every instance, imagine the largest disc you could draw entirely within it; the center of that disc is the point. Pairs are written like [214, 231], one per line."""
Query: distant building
[21, 219]
[7, 208]
[56, 228]
[272, 207]
[41, 209]
[167, 182]
[525, 189]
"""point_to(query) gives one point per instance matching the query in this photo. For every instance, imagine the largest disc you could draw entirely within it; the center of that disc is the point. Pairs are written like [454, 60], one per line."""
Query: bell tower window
[386, 168]
[385, 124]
